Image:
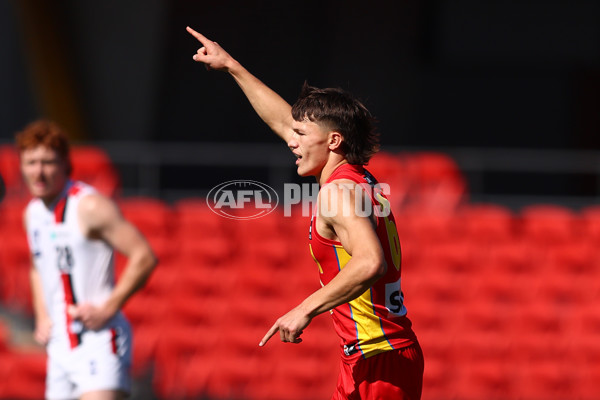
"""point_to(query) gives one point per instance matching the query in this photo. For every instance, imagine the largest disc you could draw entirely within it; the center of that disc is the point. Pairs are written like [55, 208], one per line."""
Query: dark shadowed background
[436, 74]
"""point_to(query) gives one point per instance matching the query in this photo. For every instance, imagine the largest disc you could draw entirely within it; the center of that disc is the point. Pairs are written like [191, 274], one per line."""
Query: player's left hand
[290, 327]
[92, 317]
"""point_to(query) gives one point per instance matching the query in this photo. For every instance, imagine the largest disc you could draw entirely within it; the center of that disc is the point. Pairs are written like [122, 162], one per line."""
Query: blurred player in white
[72, 231]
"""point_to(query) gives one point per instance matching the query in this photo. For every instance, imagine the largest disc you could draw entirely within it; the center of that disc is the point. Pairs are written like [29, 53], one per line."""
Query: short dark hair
[342, 112]
[45, 133]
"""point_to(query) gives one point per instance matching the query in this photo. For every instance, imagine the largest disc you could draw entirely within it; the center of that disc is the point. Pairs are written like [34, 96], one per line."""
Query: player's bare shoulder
[96, 213]
[340, 198]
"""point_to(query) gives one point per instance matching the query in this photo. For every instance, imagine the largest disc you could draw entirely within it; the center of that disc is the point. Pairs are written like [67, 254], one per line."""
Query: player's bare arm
[101, 219]
[358, 237]
[269, 106]
[42, 321]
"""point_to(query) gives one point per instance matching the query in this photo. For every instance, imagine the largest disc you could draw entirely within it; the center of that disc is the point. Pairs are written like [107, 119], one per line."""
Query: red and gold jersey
[375, 321]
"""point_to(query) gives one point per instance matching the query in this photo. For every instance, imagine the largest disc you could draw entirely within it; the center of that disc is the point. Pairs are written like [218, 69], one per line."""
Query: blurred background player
[72, 231]
[358, 255]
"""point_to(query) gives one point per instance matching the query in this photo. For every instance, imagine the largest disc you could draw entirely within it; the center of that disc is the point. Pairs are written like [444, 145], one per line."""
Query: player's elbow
[377, 266]
[146, 260]
[149, 260]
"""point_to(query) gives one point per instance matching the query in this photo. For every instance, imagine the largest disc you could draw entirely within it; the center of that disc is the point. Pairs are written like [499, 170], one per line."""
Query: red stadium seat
[487, 223]
[92, 165]
[427, 227]
[195, 219]
[11, 215]
[272, 253]
[438, 378]
[586, 320]
[551, 380]
[441, 287]
[23, 375]
[572, 259]
[15, 264]
[437, 183]
[563, 292]
[503, 290]
[453, 256]
[268, 226]
[591, 224]
[145, 342]
[389, 168]
[4, 338]
[540, 319]
[184, 310]
[515, 258]
[151, 216]
[212, 248]
[190, 381]
[10, 170]
[550, 224]
[484, 380]
[143, 309]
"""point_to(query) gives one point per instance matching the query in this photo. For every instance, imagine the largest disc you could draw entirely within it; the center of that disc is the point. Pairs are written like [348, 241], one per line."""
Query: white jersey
[73, 268]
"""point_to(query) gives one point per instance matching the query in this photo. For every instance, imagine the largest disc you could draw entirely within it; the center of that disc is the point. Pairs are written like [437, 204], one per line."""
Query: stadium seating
[486, 223]
[92, 165]
[11, 172]
[591, 223]
[437, 184]
[22, 375]
[544, 224]
[504, 303]
[390, 169]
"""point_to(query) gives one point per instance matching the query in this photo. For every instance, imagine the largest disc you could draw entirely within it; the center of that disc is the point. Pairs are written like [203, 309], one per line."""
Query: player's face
[309, 143]
[44, 171]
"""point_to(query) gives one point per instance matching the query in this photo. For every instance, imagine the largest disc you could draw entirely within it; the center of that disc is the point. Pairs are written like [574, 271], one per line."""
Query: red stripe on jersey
[74, 338]
[59, 211]
[74, 189]
[113, 340]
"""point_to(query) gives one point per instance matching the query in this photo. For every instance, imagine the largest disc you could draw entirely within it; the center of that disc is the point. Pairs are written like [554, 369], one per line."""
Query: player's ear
[335, 140]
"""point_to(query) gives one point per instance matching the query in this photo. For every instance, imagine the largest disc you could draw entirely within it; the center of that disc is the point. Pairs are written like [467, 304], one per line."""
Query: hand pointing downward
[290, 327]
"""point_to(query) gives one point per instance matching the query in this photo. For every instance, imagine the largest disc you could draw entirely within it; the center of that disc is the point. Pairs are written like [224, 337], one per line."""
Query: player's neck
[51, 200]
[334, 162]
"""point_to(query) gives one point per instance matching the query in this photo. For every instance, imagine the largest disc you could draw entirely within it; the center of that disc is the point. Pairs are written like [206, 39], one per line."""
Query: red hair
[44, 133]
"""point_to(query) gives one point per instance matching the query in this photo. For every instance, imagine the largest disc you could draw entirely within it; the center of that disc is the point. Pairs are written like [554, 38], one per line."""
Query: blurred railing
[508, 176]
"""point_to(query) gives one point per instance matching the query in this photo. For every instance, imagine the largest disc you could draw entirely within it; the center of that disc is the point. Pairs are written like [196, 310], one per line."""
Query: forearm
[37, 296]
[351, 282]
[269, 106]
[137, 271]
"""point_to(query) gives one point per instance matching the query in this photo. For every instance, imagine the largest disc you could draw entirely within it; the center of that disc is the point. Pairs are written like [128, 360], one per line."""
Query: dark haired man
[358, 253]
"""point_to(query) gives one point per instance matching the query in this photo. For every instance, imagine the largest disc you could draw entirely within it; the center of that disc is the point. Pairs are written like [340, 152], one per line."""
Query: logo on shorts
[349, 350]
[242, 199]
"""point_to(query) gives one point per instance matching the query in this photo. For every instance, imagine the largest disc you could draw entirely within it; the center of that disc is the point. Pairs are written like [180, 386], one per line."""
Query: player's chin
[303, 172]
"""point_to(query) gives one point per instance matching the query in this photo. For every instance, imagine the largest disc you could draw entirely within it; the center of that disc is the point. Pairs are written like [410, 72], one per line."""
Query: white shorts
[101, 362]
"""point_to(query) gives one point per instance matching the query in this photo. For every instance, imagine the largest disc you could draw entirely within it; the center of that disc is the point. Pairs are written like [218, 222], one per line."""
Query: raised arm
[269, 106]
[101, 219]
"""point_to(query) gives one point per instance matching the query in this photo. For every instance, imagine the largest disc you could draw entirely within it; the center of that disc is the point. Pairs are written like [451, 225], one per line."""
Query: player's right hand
[211, 54]
[43, 327]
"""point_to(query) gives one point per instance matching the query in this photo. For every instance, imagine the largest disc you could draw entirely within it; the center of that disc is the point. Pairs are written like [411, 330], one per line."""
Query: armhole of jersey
[82, 192]
[350, 177]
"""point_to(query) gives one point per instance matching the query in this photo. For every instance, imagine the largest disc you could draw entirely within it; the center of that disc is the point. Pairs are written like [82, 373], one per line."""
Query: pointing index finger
[200, 37]
[269, 334]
